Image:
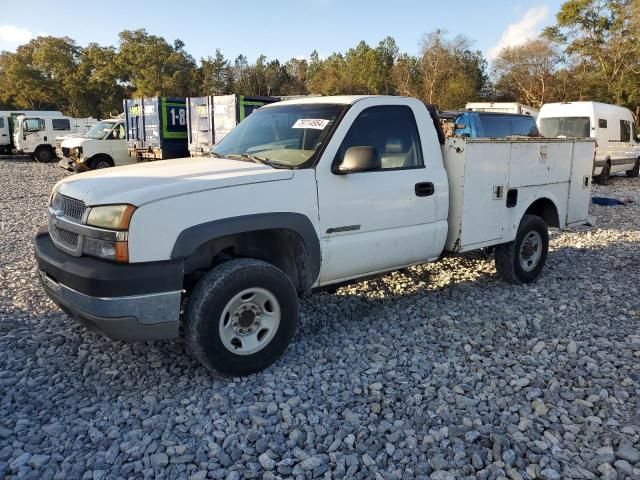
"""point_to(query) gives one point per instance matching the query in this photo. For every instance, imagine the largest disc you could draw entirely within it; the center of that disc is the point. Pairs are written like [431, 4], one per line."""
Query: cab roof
[336, 99]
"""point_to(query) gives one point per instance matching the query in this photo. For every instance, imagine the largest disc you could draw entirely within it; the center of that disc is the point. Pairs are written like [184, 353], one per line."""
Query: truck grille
[68, 207]
[64, 237]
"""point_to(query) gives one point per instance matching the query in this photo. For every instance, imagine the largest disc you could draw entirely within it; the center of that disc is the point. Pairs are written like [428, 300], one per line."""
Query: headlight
[113, 217]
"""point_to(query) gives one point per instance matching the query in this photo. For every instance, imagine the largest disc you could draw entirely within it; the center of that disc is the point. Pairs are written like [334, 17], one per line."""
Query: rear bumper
[123, 302]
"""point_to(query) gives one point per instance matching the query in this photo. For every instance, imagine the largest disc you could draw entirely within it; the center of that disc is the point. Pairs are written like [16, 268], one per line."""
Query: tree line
[592, 52]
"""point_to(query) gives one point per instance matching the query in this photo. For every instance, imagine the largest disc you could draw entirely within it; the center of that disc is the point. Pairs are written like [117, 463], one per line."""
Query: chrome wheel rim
[102, 165]
[249, 321]
[530, 251]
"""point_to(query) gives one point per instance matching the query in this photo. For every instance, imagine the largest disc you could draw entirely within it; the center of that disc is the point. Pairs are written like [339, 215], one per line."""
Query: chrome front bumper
[138, 317]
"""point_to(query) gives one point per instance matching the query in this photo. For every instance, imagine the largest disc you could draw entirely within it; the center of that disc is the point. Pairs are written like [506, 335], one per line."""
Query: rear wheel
[100, 162]
[635, 171]
[43, 155]
[241, 317]
[605, 175]
[522, 260]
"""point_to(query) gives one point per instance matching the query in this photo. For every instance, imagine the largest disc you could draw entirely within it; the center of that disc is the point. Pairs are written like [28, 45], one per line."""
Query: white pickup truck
[303, 194]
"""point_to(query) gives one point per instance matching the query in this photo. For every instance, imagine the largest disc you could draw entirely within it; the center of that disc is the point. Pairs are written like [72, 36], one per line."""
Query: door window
[392, 131]
[1, 122]
[33, 124]
[61, 124]
[625, 131]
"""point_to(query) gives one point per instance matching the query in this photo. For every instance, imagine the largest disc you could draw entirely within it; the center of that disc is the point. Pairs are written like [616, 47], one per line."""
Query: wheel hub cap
[530, 251]
[249, 321]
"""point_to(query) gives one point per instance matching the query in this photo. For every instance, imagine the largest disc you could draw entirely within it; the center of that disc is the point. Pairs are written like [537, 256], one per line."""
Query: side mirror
[359, 159]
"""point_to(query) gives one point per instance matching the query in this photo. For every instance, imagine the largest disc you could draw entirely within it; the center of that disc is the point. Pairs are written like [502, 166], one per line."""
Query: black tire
[635, 171]
[210, 299]
[100, 162]
[605, 175]
[43, 155]
[509, 256]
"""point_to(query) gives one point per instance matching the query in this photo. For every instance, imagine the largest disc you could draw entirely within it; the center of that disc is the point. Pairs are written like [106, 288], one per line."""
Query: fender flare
[190, 239]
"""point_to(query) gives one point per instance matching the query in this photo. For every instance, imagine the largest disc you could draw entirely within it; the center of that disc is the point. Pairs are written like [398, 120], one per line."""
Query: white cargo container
[613, 127]
[502, 107]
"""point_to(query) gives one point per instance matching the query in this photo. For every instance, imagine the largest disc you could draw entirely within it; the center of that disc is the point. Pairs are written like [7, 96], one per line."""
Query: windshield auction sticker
[316, 123]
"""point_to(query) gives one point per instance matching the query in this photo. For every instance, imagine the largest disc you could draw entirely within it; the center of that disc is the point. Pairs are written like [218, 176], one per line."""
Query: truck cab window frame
[390, 129]
[33, 125]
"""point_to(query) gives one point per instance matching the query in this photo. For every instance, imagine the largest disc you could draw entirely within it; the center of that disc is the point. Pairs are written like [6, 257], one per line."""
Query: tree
[527, 73]
[151, 66]
[406, 76]
[452, 74]
[601, 38]
[216, 75]
[36, 75]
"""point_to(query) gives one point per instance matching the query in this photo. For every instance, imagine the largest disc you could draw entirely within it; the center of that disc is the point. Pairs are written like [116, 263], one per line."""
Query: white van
[36, 134]
[613, 127]
[7, 120]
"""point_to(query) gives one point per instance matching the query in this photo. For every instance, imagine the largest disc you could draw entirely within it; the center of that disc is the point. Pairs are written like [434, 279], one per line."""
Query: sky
[278, 28]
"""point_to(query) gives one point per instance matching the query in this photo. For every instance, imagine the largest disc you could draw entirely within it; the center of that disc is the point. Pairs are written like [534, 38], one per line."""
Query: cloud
[521, 31]
[13, 36]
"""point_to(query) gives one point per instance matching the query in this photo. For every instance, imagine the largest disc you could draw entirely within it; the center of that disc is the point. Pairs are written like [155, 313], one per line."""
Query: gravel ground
[439, 371]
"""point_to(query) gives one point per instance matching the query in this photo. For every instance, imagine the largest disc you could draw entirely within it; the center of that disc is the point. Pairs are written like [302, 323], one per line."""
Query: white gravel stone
[441, 361]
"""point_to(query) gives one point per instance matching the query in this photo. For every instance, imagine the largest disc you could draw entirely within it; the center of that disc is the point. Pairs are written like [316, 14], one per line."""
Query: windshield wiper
[256, 159]
[215, 154]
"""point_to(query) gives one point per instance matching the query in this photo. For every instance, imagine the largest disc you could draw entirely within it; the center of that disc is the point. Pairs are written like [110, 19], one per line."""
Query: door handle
[424, 189]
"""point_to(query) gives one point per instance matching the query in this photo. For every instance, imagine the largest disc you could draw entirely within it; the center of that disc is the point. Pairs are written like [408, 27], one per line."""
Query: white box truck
[613, 128]
[36, 135]
[301, 195]
[502, 107]
[7, 124]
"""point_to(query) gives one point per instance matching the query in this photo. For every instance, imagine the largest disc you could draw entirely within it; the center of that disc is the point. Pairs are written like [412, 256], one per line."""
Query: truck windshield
[99, 130]
[575, 127]
[286, 136]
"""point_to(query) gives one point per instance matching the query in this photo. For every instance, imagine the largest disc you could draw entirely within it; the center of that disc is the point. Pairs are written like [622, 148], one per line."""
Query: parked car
[103, 146]
[613, 128]
[301, 195]
[8, 123]
[488, 124]
[36, 134]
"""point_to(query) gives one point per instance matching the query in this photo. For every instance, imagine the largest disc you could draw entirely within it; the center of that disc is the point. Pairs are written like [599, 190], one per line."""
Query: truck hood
[73, 142]
[147, 182]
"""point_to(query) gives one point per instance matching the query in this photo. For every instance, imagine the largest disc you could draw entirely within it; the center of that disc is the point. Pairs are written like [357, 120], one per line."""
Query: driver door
[118, 145]
[386, 218]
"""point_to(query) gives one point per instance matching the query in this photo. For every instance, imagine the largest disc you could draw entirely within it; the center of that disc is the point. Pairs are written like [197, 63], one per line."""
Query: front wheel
[43, 155]
[522, 260]
[100, 163]
[635, 171]
[241, 317]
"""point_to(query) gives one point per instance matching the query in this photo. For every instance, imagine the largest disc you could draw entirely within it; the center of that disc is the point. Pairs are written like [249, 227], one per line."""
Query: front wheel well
[281, 247]
[545, 209]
